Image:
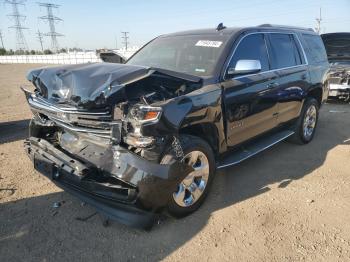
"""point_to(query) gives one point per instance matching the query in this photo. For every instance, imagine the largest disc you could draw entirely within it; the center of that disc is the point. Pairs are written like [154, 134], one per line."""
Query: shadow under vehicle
[131, 139]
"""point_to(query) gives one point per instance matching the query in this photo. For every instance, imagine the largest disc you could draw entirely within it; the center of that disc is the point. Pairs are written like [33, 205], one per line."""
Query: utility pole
[318, 22]
[125, 37]
[21, 43]
[116, 42]
[2, 41]
[51, 19]
[40, 38]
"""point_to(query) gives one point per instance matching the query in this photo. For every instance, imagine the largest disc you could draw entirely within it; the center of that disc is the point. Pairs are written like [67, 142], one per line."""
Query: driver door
[250, 100]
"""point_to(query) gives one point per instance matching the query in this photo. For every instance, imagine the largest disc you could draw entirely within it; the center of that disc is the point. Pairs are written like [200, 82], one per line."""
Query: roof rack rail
[286, 26]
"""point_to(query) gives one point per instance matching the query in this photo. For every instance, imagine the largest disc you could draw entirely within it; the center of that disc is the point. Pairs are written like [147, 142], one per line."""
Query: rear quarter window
[315, 51]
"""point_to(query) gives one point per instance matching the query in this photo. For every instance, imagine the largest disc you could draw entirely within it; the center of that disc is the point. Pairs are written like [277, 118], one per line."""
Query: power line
[51, 20]
[40, 38]
[125, 37]
[21, 43]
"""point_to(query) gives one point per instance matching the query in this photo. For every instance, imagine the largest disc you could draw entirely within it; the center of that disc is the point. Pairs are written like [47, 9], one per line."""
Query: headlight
[146, 114]
[141, 141]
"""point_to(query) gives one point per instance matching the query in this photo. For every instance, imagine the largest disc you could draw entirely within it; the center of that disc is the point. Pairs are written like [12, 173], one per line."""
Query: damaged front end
[339, 82]
[99, 131]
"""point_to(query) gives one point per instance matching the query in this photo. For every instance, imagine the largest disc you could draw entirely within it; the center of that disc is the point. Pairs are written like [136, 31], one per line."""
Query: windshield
[194, 54]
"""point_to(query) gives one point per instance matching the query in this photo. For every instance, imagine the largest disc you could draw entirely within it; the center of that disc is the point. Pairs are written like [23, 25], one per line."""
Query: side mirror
[244, 67]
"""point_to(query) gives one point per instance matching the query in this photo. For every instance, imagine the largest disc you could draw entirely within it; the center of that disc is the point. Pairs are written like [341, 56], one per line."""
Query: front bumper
[125, 187]
[337, 90]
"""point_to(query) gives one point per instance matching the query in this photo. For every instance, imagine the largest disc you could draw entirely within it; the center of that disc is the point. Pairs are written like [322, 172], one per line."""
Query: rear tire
[306, 124]
[192, 191]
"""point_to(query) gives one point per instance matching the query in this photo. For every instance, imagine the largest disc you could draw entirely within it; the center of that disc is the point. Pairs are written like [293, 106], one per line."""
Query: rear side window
[252, 47]
[284, 51]
[316, 51]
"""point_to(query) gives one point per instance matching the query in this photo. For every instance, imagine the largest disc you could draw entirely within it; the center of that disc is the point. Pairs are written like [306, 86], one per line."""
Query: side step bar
[253, 148]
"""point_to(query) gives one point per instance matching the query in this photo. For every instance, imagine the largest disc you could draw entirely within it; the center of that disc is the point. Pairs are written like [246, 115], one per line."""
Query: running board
[253, 148]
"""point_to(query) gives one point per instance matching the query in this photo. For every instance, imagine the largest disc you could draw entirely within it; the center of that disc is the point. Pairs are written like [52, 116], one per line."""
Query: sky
[98, 24]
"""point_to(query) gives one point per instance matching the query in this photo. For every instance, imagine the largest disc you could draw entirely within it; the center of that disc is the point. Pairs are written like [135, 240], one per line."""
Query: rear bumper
[127, 189]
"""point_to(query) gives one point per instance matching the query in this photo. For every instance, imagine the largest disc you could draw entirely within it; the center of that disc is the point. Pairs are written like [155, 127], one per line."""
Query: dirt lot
[289, 203]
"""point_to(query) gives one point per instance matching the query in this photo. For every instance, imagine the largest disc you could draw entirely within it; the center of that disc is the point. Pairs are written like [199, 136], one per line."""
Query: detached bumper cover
[133, 187]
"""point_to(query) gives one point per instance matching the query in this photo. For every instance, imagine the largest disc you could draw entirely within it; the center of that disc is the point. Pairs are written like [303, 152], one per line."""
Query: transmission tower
[2, 41]
[318, 22]
[40, 38]
[125, 37]
[51, 20]
[21, 43]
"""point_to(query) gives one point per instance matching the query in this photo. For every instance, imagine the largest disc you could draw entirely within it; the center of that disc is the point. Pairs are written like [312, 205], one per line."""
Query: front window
[195, 54]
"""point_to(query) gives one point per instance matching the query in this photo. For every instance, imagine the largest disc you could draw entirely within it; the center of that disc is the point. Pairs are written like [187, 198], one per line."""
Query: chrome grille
[97, 122]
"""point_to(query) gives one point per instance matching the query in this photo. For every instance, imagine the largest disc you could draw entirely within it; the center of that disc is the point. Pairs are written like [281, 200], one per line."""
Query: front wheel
[193, 189]
[306, 125]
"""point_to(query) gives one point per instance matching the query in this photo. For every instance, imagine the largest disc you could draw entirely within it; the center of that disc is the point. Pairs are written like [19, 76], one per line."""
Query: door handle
[303, 77]
[272, 85]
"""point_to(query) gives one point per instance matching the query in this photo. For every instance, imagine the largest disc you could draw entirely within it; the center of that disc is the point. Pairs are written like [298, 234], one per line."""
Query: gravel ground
[289, 203]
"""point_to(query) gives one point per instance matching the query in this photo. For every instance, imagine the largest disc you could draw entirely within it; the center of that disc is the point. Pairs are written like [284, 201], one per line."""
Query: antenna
[2, 41]
[318, 21]
[51, 20]
[40, 38]
[125, 37]
[21, 43]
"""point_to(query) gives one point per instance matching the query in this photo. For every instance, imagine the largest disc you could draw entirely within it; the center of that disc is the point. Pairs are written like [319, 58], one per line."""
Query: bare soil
[289, 203]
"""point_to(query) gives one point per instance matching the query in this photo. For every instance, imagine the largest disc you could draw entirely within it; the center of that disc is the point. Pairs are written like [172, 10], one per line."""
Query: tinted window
[252, 47]
[283, 50]
[316, 51]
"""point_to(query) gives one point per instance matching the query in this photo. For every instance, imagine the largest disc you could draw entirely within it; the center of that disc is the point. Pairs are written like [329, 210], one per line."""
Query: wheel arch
[206, 131]
[316, 93]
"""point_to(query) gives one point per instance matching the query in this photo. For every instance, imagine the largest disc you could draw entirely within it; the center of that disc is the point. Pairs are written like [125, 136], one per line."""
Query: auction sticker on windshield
[208, 43]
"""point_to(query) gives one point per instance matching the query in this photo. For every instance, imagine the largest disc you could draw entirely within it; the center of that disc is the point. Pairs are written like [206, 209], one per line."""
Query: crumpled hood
[92, 84]
[81, 84]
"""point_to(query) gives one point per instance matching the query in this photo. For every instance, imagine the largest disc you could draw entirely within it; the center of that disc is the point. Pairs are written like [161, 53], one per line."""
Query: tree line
[4, 51]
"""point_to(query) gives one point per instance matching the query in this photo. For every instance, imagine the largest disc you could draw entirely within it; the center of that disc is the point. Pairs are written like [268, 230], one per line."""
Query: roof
[233, 30]
[207, 31]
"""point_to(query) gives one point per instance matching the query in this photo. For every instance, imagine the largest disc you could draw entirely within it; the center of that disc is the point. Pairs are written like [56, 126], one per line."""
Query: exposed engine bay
[105, 104]
[340, 83]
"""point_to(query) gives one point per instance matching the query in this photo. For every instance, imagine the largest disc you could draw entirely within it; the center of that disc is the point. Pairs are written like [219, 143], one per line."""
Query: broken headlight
[136, 117]
[145, 114]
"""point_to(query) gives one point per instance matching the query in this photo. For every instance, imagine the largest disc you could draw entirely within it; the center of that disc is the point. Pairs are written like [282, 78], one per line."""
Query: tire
[193, 191]
[301, 136]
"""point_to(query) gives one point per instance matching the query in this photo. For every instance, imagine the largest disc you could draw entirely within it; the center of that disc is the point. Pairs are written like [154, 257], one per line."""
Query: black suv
[133, 138]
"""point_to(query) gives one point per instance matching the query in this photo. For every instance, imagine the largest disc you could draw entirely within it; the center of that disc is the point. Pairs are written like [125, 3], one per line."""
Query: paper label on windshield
[208, 43]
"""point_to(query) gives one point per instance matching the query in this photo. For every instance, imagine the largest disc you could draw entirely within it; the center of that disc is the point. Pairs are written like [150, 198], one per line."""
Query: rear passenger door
[250, 99]
[287, 58]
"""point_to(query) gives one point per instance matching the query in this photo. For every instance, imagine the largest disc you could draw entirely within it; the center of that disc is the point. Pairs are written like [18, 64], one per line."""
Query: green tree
[48, 52]
[62, 50]
[3, 51]
[10, 52]
[19, 52]
[32, 52]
